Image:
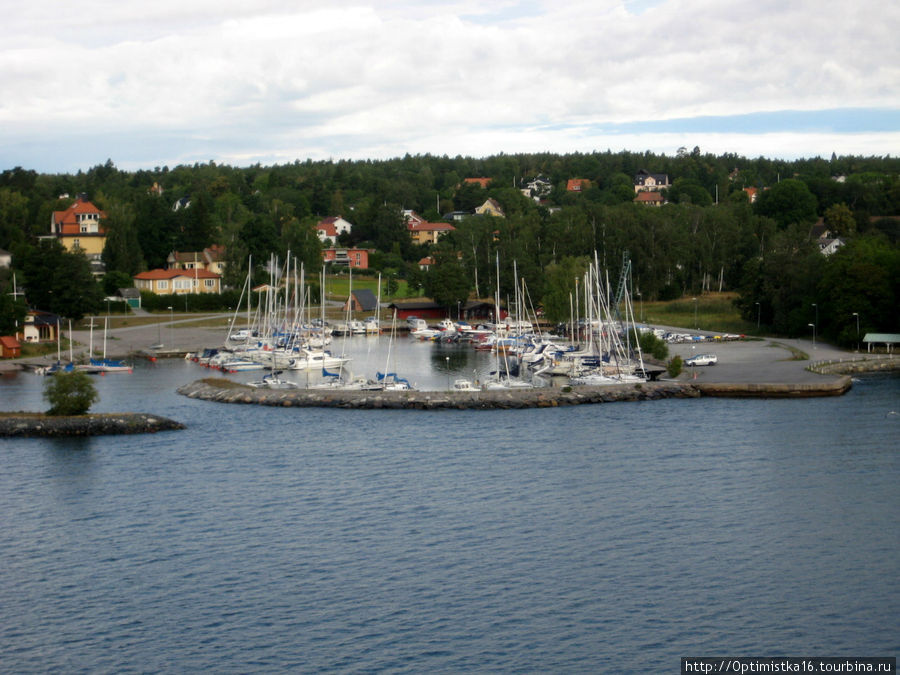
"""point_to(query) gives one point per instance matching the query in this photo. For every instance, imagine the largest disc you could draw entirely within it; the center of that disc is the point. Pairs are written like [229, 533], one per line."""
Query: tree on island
[70, 393]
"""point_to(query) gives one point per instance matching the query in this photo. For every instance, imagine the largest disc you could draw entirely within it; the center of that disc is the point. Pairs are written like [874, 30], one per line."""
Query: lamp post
[696, 322]
[447, 361]
[171, 328]
[816, 307]
[856, 314]
[813, 326]
[758, 313]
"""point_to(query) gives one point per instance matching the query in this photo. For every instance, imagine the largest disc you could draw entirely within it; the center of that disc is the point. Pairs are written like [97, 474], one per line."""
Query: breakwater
[225, 391]
[856, 365]
[31, 424]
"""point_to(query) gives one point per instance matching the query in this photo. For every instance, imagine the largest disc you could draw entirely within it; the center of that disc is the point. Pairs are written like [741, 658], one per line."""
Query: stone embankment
[33, 424]
[857, 365]
[224, 391]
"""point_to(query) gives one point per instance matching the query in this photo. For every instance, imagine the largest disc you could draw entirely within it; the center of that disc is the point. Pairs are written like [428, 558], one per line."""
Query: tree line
[708, 237]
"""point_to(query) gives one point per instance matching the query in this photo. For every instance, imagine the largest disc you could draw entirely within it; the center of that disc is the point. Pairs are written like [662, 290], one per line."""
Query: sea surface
[614, 538]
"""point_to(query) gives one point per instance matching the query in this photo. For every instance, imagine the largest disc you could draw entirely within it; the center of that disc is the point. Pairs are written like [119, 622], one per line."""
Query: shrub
[70, 393]
[675, 366]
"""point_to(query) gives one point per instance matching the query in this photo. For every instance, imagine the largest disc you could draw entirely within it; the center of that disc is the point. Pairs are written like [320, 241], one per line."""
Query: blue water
[611, 538]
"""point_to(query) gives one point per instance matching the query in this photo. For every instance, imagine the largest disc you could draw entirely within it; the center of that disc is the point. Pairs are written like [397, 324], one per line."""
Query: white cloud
[292, 76]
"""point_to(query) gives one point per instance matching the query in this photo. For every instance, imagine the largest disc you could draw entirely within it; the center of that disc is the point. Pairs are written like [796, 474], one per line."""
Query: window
[76, 243]
[209, 283]
[162, 285]
[182, 284]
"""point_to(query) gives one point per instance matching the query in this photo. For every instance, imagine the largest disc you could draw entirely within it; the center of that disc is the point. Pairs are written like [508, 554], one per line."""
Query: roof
[155, 275]
[483, 182]
[882, 337]
[365, 298]
[66, 222]
[649, 197]
[131, 292]
[327, 228]
[10, 342]
[427, 260]
[578, 184]
[429, 227]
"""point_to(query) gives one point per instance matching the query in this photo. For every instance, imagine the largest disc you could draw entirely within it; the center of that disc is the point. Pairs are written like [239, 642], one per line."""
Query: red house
[352, 257]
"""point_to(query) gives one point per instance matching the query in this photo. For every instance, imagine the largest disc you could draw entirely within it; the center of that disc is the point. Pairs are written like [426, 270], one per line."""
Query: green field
[711, 312]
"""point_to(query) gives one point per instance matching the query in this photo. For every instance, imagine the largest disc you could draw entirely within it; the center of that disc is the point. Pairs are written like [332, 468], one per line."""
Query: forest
[708, 236]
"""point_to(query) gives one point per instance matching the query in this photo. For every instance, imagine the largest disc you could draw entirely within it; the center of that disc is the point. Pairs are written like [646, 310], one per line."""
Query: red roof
[171, 274]
[649, 196]
[327, 227]
[578, 184]
[483, 182]
[67, 222]
[9, 342]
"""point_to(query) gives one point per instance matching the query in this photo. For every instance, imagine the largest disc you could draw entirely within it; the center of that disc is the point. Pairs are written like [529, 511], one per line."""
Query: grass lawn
[711, 312]
[337, 287]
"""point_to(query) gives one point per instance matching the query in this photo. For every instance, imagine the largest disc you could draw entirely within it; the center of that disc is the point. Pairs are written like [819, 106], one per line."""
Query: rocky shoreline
[36, 425]
[224, 391]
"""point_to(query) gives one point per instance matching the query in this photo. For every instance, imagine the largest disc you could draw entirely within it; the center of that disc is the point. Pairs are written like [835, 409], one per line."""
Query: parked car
[702, 360]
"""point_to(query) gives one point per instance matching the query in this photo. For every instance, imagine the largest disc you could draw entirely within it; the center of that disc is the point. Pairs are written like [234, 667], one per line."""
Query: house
[649, 198]
[328, 229]
[5, 258]
[821, 235]
[577, 185]
[644, 180]
[357, 258]
[829, 246]
[456, 216]
[483, 182]
[426, 263]
[80, 227]
[178, 282]
[361, 300]
[491, 207]
[211, 259]
[427, 233]
[537, 189]
[10, 348]
[39, 326]
[751, 194]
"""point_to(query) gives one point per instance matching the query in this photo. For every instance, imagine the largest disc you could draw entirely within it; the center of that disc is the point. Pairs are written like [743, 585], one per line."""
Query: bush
[70, 393]
[675, 366]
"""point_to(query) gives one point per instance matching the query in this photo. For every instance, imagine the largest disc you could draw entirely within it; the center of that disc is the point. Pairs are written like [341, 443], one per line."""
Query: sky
[273, 81]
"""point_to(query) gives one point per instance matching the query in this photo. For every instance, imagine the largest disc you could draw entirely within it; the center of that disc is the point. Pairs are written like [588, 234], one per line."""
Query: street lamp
[171, 328]
[696, 323]
[856, 314]
[817, 314]
[447, 360]
[758, 312]
[813, 326]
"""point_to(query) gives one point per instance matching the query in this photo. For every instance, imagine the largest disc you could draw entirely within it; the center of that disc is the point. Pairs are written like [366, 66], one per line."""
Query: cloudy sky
[181, 81]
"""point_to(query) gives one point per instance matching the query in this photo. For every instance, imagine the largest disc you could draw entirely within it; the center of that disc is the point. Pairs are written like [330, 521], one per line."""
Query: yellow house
[178, 282]
[80, 227]
[490, 208]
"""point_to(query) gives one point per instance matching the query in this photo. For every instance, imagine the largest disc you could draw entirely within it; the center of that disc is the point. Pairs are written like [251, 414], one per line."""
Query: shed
[886, 339]
[363, 300]
[132, 297]
[10, 347]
